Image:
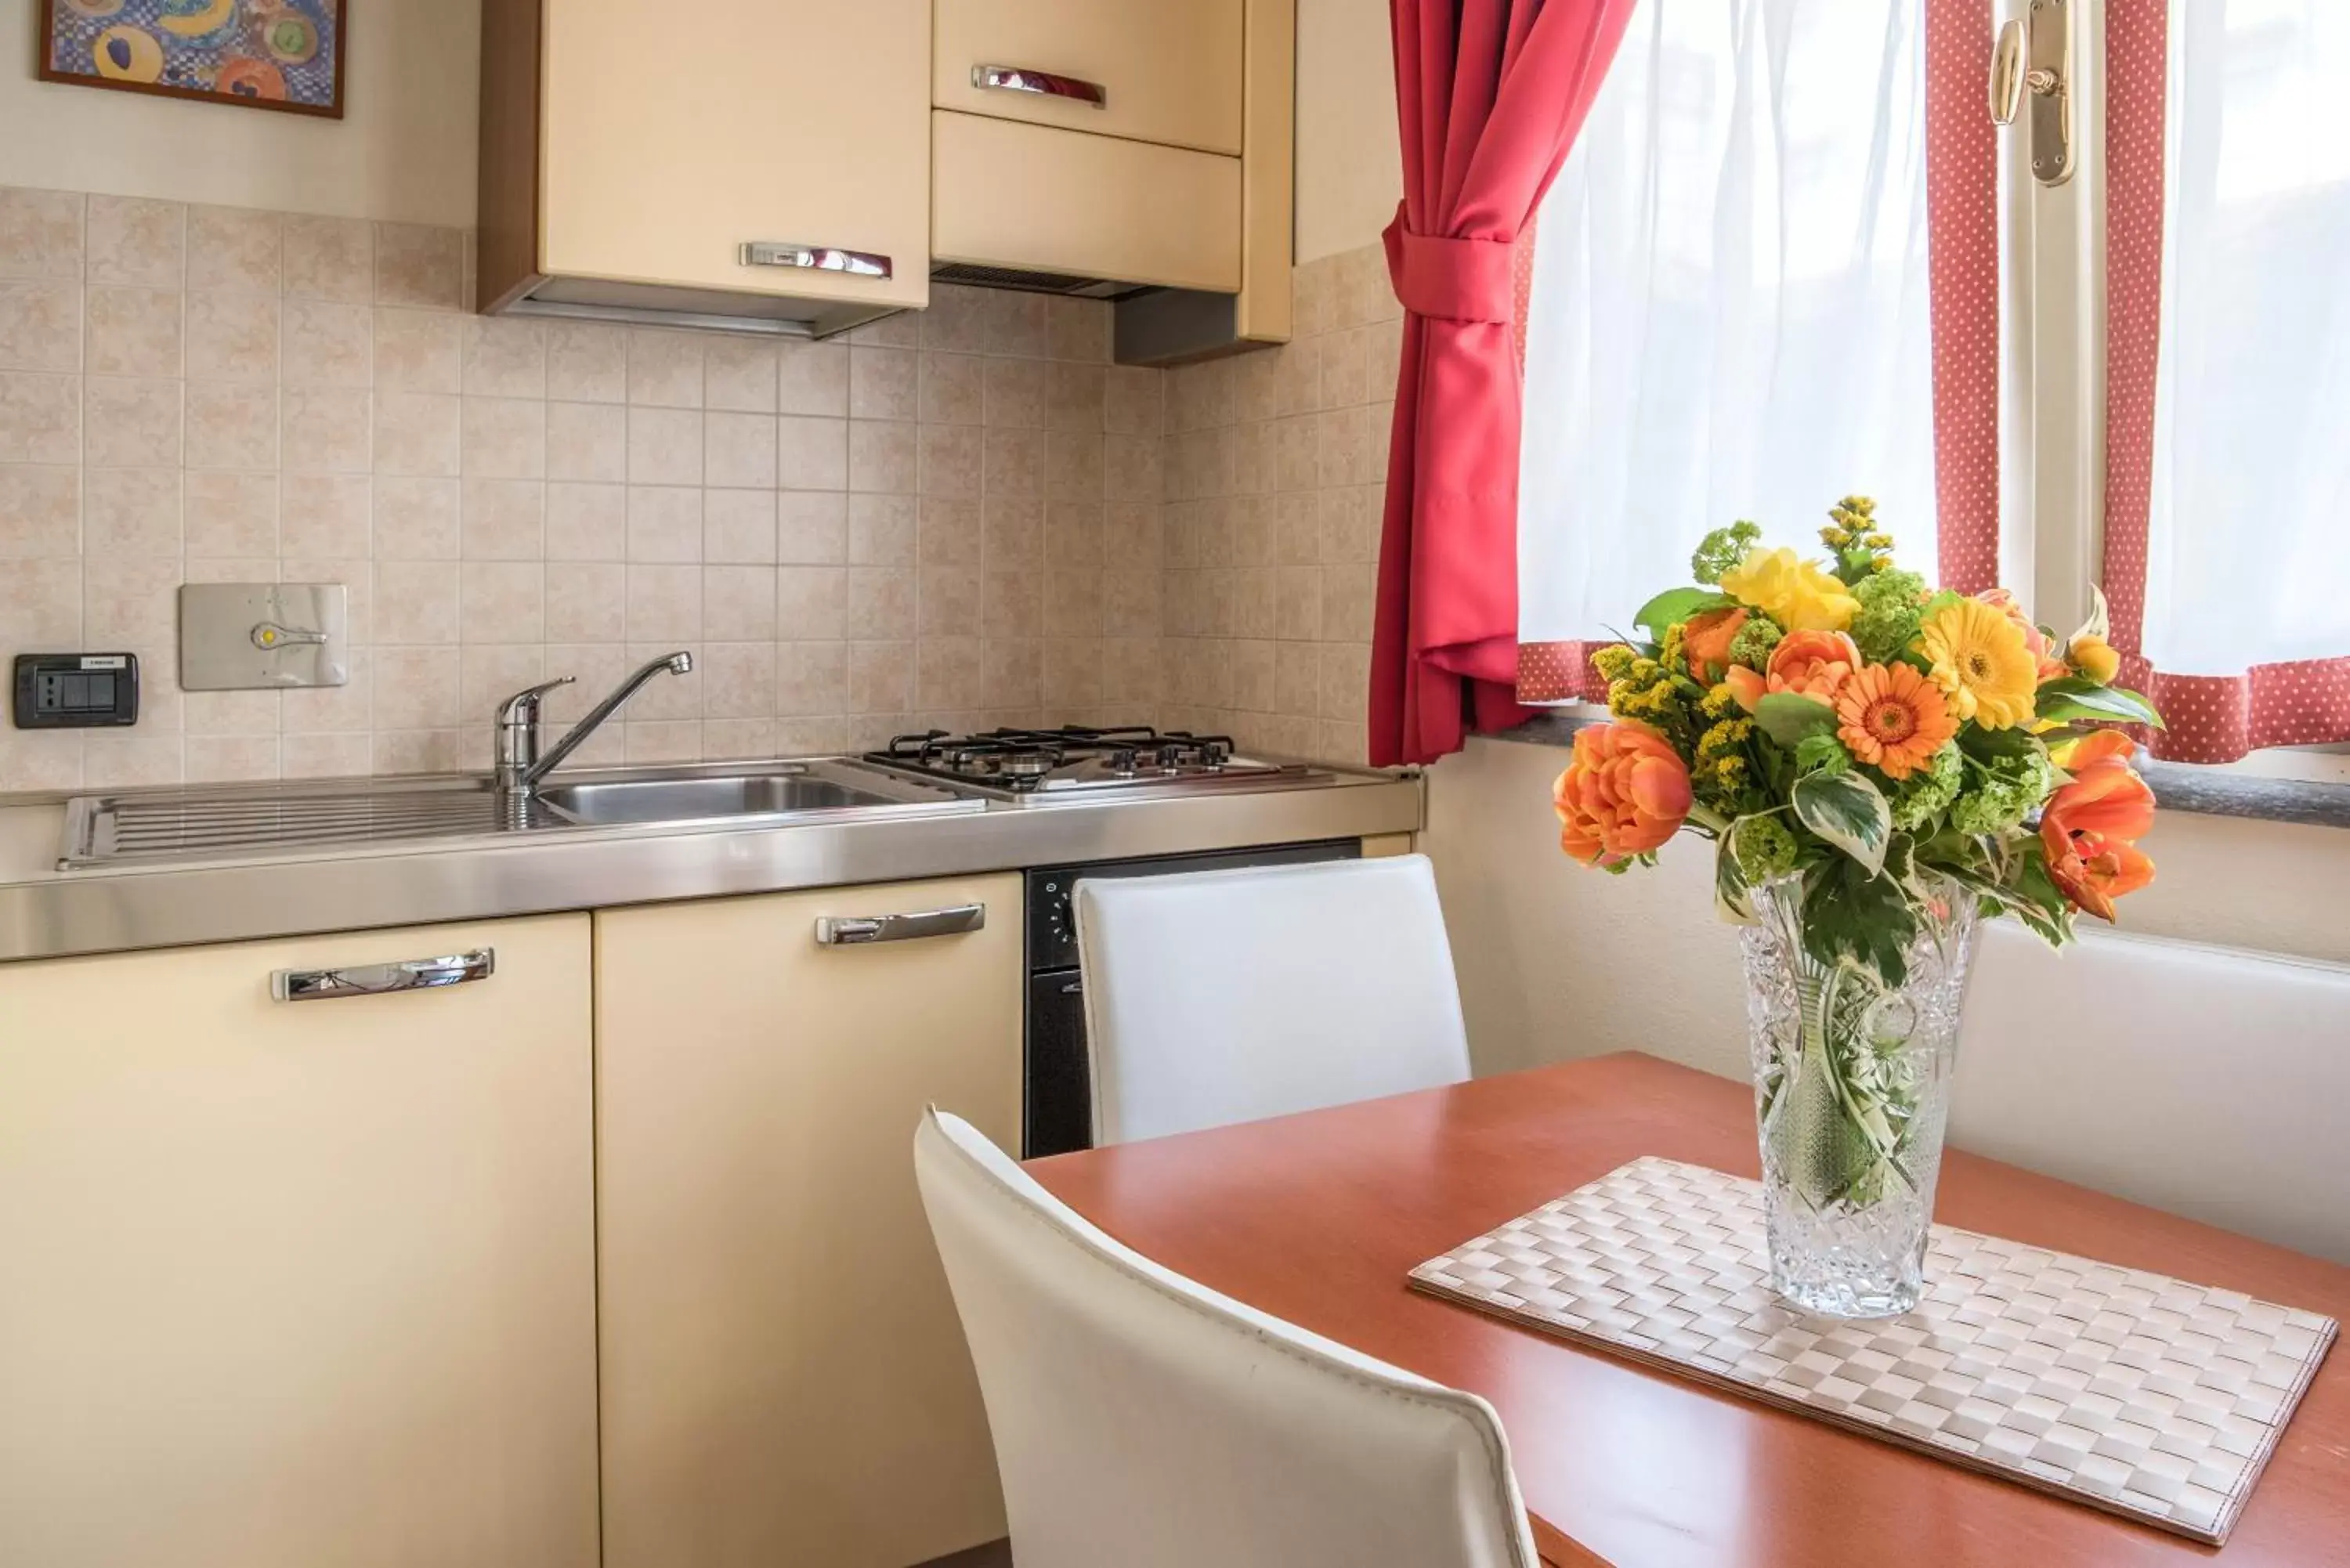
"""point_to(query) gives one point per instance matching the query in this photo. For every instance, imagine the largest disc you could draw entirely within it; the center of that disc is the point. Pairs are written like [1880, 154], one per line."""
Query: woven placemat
[2135, 1393]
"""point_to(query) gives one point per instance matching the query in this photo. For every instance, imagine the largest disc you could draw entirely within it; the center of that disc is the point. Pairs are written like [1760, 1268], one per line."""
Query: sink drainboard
[102, 830]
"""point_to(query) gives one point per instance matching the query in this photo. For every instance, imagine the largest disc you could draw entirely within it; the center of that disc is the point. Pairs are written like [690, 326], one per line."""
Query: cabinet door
[785, 1380]
[1094, 206]
[672, 136]
[293, 1283]
[1169, 70]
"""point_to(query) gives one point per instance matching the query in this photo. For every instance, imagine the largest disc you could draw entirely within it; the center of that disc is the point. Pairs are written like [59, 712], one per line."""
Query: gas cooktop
[1027, 763]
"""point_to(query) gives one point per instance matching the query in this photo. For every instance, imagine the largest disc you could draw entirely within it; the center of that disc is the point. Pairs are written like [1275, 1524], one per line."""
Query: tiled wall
[951, 517]
[1276, 468]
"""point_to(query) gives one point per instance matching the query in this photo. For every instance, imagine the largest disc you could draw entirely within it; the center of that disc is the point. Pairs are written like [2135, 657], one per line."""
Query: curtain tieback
[1450, 278]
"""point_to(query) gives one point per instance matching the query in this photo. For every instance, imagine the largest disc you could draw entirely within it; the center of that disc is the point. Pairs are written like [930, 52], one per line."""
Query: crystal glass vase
[1852, 1080]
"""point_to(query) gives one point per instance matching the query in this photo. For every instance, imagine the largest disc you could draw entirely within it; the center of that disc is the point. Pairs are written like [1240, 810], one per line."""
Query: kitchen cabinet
[289, 1283]
[630, 155]
[1029, 197]
[1093, 143]
[783, 1377]
[1150, 70]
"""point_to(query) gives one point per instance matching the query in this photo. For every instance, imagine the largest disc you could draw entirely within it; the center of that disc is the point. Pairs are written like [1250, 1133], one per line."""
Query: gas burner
[1019, 763]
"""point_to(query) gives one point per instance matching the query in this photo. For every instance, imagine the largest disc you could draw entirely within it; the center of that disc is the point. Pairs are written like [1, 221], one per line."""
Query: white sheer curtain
[1729, 314]
[2248, 533]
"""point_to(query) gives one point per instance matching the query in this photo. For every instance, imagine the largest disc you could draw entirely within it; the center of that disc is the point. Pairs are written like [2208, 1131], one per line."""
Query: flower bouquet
[1879, 764]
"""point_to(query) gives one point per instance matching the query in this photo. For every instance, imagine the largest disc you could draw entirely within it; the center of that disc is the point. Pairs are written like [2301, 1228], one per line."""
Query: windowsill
[2178, 787]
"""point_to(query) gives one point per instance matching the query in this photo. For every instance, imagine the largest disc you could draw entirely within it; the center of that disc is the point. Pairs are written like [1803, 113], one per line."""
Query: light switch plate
[254, 637]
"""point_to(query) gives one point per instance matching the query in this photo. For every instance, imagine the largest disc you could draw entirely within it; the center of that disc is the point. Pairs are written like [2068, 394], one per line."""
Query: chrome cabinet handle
[382, 979]
[1046, 84]
[851, 930]
[814, 258]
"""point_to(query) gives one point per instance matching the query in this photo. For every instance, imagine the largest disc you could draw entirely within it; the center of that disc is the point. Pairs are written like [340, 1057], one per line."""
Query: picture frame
[282, 55]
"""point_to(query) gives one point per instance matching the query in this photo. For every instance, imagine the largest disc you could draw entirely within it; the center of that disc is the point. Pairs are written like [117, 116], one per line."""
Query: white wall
[1349, 173]
[404, 152]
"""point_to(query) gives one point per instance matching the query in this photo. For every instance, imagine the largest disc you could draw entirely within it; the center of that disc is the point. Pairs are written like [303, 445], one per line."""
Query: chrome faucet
[520, 765]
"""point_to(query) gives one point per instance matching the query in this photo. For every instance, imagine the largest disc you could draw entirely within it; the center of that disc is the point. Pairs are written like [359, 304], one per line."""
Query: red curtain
[2212, 718]
[1489, 95]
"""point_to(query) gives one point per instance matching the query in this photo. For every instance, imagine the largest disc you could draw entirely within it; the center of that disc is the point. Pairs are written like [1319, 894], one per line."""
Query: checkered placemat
[2145, 1395]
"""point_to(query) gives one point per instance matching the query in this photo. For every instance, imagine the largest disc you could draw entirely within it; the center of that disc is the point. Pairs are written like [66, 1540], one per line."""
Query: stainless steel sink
[250, 822]
[619, 802]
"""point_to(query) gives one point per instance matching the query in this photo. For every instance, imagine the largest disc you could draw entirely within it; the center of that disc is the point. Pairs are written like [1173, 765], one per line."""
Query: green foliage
[1924, 794]
[1674, 605]
[1848, 812]
[2004, 791]
[1887, 621]
[1821, 752]
[1762, 847]
[2077, 697]
[1722, 549]
[1787, 718]
[1755, 639]
[1854, 916]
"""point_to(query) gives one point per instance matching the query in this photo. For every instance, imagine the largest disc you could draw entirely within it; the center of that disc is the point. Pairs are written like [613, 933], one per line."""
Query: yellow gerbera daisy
[1980, 663]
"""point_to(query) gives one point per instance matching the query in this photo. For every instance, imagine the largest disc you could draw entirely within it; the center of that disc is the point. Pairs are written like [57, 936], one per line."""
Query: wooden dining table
[1318, 1219]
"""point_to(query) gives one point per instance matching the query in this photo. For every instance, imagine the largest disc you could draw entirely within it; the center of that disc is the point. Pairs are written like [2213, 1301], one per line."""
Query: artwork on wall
[269, 54]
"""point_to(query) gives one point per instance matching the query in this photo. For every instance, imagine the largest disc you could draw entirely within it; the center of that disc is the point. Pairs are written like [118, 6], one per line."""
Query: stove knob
[1171, 757]
[1216, 754]
[1121, 761]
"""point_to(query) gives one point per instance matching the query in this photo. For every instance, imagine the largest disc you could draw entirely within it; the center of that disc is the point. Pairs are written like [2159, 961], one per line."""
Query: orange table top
[1318, 1219]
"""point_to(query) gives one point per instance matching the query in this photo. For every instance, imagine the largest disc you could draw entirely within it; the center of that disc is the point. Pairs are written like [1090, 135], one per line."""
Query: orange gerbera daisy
[1893, 718]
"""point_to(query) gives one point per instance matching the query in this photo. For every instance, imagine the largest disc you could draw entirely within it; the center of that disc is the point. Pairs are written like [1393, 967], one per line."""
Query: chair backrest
[2202, 1080]
[1224, 996]
[1144, 1420]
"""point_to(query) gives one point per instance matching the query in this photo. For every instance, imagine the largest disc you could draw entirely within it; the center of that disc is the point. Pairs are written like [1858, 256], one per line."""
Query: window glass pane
[1729, 316]
[2247, 562]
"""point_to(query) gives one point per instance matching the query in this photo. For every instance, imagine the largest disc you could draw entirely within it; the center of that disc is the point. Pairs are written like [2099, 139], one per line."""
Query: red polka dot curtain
[2227, 369]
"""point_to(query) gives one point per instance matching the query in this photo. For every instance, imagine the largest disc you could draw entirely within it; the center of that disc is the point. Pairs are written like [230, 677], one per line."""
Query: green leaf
[1787, 718]
[1675, 606]
[1730, 883]
[1990, 745]
[1847, 811]
[1820, 753]
[1851, 916]
[2071, 697]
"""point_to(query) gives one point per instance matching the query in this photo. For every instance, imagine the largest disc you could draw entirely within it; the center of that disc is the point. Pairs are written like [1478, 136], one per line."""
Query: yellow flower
[1795, 592]
[1981, 663]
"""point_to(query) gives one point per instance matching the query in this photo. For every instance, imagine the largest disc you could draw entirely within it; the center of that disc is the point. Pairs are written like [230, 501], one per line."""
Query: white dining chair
[1142, 1420]
[1223, 996]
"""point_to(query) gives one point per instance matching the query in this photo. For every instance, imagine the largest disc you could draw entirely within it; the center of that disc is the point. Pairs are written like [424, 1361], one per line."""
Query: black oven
[1057, 1081]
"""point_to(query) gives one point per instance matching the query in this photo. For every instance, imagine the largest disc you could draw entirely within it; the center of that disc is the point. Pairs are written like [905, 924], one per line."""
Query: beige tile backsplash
[959, 518]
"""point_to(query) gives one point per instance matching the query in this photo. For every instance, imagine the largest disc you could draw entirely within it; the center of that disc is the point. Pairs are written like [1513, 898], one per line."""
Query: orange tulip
[1807, 663]
[2035, 641]
[2089, 828]
[1625, 794]
[1705, 641]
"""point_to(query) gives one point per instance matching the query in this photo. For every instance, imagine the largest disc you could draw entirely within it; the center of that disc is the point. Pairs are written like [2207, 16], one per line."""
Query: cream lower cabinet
[784, 1379]
[285, 1284]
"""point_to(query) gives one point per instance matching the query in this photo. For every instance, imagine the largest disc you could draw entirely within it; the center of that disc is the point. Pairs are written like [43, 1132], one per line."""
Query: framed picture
[266, 53]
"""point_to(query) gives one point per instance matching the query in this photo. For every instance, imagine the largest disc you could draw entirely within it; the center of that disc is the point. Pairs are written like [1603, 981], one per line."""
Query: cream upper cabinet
[631, 151]
[291, 1283]
[784, 1377]
[1152, 70]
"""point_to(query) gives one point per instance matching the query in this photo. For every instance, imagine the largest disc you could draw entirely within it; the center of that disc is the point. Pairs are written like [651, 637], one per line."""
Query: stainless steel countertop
[48, 913]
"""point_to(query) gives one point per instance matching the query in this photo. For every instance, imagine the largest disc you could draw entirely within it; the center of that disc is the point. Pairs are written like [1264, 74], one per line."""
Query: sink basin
[698, 799]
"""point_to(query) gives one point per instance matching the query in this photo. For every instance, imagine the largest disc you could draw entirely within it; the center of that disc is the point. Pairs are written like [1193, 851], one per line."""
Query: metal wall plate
[254, 637]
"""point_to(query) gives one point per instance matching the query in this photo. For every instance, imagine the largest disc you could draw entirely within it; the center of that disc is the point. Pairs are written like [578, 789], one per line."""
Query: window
[1728, 317]
[1729, 311]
